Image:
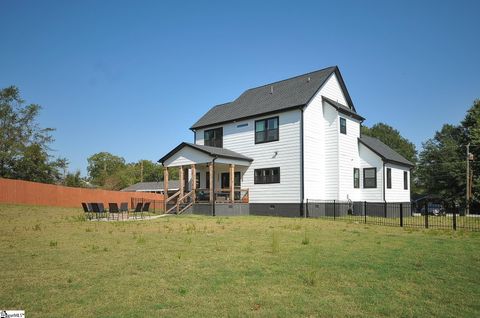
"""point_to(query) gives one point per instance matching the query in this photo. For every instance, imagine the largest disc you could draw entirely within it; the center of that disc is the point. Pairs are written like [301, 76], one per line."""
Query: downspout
[302, 168]
[213, 185]
[384, 180]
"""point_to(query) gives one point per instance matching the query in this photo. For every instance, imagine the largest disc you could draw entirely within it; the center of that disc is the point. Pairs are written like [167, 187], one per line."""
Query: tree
[74, 180]
[441, 168]
[102, 165]
[471, 135]
[392, 138]
[24, 145]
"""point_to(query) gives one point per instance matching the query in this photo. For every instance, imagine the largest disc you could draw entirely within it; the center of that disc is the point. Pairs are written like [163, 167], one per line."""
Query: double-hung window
[343, 125]
[369, 178]
[405, 180]
[356, 178]
[266, 130]
[213, 137]
[389, 178]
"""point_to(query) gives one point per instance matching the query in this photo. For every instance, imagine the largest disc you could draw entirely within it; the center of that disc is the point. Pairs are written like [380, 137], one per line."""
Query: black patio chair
[87, 210]
[124, 208]
[112, 210]
[146, 208]
[96, 210]
[138, 209]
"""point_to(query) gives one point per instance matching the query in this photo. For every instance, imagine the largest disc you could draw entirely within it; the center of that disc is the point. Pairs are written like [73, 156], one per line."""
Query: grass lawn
[55, 264]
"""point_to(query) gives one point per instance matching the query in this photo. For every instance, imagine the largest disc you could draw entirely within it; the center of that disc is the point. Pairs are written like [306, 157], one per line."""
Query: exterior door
[225, 180]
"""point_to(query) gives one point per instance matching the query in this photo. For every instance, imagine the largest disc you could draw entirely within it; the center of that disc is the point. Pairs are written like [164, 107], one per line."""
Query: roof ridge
[290, 78]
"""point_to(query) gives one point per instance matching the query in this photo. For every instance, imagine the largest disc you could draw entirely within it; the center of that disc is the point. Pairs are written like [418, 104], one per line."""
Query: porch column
[194, 181]
[210, 172]
[232, 183]
[182, 181]
[165, 186]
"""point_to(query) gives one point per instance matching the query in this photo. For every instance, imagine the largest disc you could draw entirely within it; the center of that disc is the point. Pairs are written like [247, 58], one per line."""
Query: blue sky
[130, 77]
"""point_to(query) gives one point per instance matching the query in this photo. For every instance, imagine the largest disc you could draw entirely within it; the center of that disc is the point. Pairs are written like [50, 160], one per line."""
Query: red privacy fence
[26, 192]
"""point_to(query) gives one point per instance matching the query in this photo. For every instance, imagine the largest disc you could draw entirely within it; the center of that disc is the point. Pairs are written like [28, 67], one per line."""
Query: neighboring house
[284, 143]
[152, 187]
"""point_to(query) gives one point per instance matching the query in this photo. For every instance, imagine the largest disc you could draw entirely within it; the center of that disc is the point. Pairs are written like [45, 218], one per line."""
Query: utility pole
[467, 207]
[141, 171]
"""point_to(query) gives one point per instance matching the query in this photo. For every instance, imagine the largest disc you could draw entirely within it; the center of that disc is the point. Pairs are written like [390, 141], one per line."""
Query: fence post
[454, 219]
[401, 214]
[365, 210]
[426, 215]
[334, 207]
[385, 208]
[306, 210]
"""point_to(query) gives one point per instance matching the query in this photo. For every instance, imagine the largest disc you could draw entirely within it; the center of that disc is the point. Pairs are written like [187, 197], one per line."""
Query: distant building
[153, 187]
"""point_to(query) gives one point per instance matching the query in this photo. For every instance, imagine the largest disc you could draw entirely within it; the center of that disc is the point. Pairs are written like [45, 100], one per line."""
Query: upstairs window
[369, 178]
[268, 175]
[405, 180]
[356, 178]
[343, 125]
[266, 130]
[213, 137]
[389, 178]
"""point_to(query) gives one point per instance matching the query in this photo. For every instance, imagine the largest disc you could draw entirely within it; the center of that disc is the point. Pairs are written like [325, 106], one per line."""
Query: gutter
[384, 181]
[302, 168]
[213, 185]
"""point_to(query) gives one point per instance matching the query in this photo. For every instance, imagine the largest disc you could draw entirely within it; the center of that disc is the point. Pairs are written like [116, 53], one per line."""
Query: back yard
[55, 264]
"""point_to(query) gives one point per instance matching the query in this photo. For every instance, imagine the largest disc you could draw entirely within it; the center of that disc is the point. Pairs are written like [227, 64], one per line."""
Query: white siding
[284, 153]
[348, 158]
[331, 163]
[369, 159]
[397, 193]
[333, 90]
[187, 156]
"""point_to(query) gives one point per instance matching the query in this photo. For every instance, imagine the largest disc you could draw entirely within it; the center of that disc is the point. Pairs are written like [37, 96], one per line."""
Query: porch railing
[223, 195]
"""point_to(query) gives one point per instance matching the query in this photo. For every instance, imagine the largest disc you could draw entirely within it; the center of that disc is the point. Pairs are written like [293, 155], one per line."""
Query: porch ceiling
[187, 154]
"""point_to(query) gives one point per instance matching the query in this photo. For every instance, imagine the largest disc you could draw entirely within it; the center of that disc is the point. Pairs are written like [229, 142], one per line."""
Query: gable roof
[212, 151]
[384, 151]
[152, 186]
[342, 108]
[283, 95]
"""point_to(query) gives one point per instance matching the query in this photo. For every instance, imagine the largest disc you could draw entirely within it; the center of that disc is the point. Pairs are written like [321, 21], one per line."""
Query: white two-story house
[279, 144]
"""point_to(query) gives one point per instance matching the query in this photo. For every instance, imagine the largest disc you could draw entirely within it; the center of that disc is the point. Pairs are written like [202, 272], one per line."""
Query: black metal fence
[156, 206]
[404, 214]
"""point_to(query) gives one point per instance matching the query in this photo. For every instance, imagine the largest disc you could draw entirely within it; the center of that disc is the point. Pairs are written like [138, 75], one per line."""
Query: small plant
[275, 243]
[182, 291]
[305, 240]
[141, 240]
[88, 230]
[53, 243]
[37, 227]
[310, 279]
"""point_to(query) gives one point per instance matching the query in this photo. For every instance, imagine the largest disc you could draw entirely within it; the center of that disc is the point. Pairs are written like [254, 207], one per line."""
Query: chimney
[271, 89]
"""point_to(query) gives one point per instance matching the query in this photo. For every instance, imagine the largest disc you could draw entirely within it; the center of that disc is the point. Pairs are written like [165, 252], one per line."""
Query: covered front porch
[207, 175]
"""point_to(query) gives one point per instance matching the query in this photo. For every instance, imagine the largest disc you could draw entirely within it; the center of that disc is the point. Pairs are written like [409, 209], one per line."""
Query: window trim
[365, 179]
[266, 130]
[213, 129]
[405, 180]
[265, 181]
[345, 121]
[389, 178]
[356, 181]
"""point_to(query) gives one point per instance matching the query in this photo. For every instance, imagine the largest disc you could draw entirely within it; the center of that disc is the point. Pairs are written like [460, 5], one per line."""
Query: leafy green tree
[24, 145]
[74, 180]
[392, 138]
[104, 165]
[441, 168]
[471, 135]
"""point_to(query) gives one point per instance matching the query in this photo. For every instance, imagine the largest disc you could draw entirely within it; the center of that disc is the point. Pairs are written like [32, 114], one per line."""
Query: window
[405, 180]
[197, 180]
[268, 175]
[389, 178]
[207, 180]
[343, 125]
[369, 178]
[266, 130]
[213, 137]
[356, 178]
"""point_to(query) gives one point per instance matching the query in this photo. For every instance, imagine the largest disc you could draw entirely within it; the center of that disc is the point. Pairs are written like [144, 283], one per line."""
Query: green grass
[56, 264]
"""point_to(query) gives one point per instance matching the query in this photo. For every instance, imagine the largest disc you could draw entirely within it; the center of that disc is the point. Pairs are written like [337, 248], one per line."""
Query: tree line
[440, 166]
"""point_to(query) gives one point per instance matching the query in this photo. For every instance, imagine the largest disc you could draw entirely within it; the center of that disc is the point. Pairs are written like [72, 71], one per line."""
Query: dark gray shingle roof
[342, 108]
[279, 96]
[384, 151]
[212, 151]
[152, 186]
